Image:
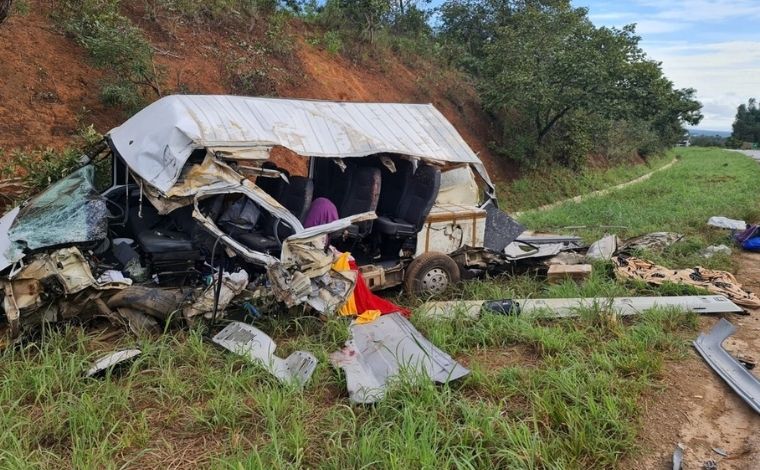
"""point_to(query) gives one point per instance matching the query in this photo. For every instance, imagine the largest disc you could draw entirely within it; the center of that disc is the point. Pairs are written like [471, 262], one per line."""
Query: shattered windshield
[69, 211]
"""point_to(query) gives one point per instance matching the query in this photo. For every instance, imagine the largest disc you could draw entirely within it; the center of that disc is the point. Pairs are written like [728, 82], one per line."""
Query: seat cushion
[258, 241]
[159, 241]
[394, 226]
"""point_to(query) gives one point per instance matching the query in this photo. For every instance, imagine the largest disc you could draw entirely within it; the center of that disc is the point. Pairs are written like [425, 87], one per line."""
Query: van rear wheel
[431, 273]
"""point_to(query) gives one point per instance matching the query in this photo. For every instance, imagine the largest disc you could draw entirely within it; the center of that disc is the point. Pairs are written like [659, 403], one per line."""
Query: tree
[746, 127]
[557, 83]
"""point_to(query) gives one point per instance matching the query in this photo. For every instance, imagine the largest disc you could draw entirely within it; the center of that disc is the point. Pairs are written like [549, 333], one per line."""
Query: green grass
[542, 394]
[544, 186]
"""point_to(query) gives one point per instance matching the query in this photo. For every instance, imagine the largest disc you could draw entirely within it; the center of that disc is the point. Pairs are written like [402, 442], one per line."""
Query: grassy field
[543, 186]
[542, 394]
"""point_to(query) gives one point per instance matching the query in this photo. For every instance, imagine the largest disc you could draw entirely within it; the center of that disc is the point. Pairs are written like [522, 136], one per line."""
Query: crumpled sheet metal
[716, 282]
[24, 292]
[232, 285]
[380, 351]
[518, 250]
[729, 369]
[246, 340]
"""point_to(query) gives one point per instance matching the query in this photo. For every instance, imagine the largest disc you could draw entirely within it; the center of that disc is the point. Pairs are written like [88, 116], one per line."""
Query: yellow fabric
[367, 316]
[349, 308]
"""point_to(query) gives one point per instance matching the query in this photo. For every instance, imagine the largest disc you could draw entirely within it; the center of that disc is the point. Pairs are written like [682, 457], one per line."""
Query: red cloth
[366, 300]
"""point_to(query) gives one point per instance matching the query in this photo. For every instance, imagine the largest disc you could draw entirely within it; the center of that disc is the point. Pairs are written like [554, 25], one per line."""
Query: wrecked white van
[195, 212]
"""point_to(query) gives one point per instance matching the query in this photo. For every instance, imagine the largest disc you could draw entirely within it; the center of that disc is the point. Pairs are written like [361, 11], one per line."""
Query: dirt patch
[492, 360]
[695, 407]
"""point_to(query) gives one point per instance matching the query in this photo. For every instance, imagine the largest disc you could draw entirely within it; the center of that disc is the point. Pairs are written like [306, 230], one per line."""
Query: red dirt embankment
[49, 88]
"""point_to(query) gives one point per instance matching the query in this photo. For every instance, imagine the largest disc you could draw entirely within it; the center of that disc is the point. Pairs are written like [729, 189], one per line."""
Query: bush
[115, 45]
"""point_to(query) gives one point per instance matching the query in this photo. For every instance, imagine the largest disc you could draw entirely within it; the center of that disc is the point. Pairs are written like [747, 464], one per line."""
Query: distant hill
[710, 133]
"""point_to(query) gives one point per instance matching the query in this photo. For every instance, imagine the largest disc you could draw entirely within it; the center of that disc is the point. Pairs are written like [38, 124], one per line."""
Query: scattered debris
[570, 242]
[720, 451]
[379, 351]
[726, 223]
[564, 308]
[678, 457]
[710, 465]
[110, 360]
[717, 282]
[603, 249]
[248, 341]
[713, 250]
[651, 241]
[518, 250]
[737, 377]
[558, 273]
[567, 257]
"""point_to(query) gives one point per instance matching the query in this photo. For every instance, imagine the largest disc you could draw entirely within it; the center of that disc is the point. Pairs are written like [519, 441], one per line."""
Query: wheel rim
[436, 280]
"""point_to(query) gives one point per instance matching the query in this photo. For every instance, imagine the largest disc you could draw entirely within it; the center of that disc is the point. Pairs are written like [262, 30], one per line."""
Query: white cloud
[724, 74]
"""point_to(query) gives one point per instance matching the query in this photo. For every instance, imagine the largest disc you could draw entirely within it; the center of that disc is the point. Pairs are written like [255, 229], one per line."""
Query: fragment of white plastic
[726, 223]
[110, 360]
[386, 349]
[157, 141]
[254, 344]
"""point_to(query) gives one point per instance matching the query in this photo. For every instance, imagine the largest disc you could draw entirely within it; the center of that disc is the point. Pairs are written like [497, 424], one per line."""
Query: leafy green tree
[556, 82]
[746, 126]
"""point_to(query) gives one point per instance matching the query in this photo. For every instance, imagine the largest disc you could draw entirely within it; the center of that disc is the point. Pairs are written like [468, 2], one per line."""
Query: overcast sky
[712, 46]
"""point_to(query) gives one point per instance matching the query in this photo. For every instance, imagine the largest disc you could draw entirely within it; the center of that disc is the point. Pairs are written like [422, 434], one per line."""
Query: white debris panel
[157, 141]
[380, 351]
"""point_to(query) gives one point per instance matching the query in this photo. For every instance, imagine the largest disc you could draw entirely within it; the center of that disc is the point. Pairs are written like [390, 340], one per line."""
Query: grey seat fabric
[414, 207]
[362, 195]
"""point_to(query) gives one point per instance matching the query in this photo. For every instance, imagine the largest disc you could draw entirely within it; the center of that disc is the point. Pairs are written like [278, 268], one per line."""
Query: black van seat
[296, 196]
[162, 241]
[362, 196]
[416, 202]
[257, 241]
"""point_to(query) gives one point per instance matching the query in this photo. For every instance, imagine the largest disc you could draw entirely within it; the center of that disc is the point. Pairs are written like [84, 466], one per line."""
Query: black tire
[156, 302]
[431, 273]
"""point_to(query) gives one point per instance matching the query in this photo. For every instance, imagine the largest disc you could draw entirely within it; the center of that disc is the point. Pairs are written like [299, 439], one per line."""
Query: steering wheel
[121, 210]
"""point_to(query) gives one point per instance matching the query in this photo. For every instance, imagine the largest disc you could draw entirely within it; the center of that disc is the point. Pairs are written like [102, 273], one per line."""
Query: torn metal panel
[157, 141]
[520, 250]
[565, 308]
[501, 229]
[110, 360]
[232, 285]
[68, 212]
[380, 351]
[568, 242]
[729, 369]
[246, 340]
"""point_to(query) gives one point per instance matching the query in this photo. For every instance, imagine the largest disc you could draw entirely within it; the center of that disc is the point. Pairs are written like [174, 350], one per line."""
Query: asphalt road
[751, 153]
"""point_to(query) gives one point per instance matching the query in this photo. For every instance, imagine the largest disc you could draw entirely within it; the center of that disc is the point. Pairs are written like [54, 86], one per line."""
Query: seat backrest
[420, 195]
[272, 186]
[393, 186]
[297, 196]
[362, 195]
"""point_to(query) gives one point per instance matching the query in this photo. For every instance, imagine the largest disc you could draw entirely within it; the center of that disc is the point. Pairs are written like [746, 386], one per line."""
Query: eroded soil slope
[49, 88]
